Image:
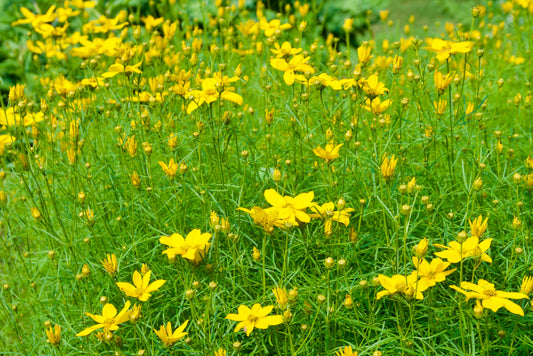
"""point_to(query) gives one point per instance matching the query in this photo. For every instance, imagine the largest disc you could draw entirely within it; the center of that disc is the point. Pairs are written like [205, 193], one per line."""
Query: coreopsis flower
[171, 169]
[397, 64]
[388, 166]
[168, 336]
[346, 351]
[16, 92]
[490, 297]
[220, 352]
[272, 27]
[376, 106]
[285, 50]
[433, 272]
[4, 141]
[348, 25]
[256, 254]
[440, 106]
[327, 211]
[135, 314]
[110, 264]
[291, 210]
[256, 317]
[53, 336]
[281, 297]
[193, 247]
[478, 226]
[9, 118]
[328, 154]
[109, 320]
[131, 146]
[445, 49]
[442, 81]
[323, 80]
[214, 89]
[35, 19]
[141, 287]
[298, 63]
[266, 218]
[118, 68]
[529, 162]
[527, 285]
[364, 53]
[421, 248]
[135, 179]
[455, 252]
[373, 87]
[409, 285]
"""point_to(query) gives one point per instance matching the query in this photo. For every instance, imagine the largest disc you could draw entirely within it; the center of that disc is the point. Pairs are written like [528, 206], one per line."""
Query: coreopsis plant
[255, 317]
[298, 63]
[490, 297]
[141, 287]
[329, 153]
[109, 320]
[291, 209]
[193, 247]
[169, 337]
[409, 285]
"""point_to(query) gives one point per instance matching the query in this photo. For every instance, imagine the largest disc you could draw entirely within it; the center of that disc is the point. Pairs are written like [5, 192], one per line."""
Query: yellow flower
[408, 285]
[442, 81]
[16, 92]
[291, 210]
[432, 273]
[455, 252]
[36, 19]
[373, 87]
[193, 247]
[376, 106]
[297, 63]
[285, 50]
[220, 352]
[327, 211]
[109, 320]
[346, 351]
[281, 296]
[256, 317]
[131, 146]
[118, 68]
[168, 336]
[388, 166]
[110, 264]
[478, 226]
[490, 297]
[53, 336]
[348, 26]
[135, 179]
[141, 287]
[4, 141]
[364, 53]
[171, 169]
[445, 49]
[329, 154]
[267, 218]
[527, 285]
[272, 27]
[214, 89]
[440, 106]
[421, 248]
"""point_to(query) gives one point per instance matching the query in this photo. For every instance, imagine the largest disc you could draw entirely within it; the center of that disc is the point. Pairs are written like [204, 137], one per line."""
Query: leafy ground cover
[222, 178]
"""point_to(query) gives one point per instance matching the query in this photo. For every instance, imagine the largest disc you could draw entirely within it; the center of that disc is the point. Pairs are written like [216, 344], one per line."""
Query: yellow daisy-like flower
[471, 247]
[109, 320]
[328, 154]
[141, 287]
[168, 336]
[256, 317]
[433, 272]
[346, 351]
[490, 297]
[292, 210]
[327, 211]
[409, 285]
[193, 247]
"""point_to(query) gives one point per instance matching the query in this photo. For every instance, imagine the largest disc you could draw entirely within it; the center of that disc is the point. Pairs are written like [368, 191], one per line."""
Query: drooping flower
[53, 336]
[346, 351]
[256, 317]
[141, 287]
[490, 297]
[168, 336]
[388, 166]
[442, 81]
[527, 285]
[193, 247]
[478, 226]
[373, 87]
[281, 297]
[109, 320]
[110, 264]
[328, 154]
